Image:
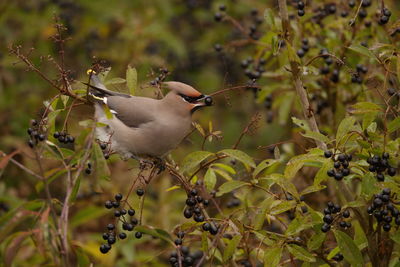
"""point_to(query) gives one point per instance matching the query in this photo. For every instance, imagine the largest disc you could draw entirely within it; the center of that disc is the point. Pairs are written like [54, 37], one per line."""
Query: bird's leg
[159, 164]
[143, 163]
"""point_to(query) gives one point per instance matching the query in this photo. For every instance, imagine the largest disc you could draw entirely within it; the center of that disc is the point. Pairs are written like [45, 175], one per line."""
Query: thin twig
[296, 73]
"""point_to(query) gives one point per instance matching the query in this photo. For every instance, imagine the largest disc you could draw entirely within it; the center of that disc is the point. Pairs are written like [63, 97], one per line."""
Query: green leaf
[316, 136]
[107, 111]
[231, 247]
[284, 183]
[224, 174]
[316, 241]
[297, 225]
[360, 239]
[51, 118]
[394, 125]
[86, 123]
[345, 126]
[322, 175]
[297, 162]
[260, 217]
[368, 118]
[332, 253]
[75, 190]
[82, 259]
[300, 253]
[272, 256]
[282, 206]
[269, 18]
[368, 185]
[396, 237]
[85, 215]
[362, 50]
[366, 107]
[263, 165]
[230, 186]
[312, 189]
[194, 159]
[348, 248]
[102, 169]
[293, 57]
[285, 107]
[131, 79]
[64, 99]
[210, 179]
[301, 123]
[224, 167]
[239, 155]
[204, 241]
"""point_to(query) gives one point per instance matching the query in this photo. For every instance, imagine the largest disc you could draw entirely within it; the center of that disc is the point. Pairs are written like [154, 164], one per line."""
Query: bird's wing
[133, 111]
[98, 89]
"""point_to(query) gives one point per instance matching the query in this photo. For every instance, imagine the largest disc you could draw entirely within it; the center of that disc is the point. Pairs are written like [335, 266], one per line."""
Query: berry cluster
[321, 103]
[253, 70]
[194, 204]
[188, 258]
[381, 207]
[35, 134]
[253, 34]
[106, 152]
[127, 224]
[300, 8]
[332, 215]
[385, 16]
[304, 48]
[193, 209]
[219, 15]
[322, 12]
[64, 137]
[88, 170]
[341, 165]
[160, 78]
[380, 165]
[268, 107]
[363, 12]
[357, 77]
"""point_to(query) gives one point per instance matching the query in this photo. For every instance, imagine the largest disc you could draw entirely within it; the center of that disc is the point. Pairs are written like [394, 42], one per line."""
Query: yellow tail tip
[90, 71]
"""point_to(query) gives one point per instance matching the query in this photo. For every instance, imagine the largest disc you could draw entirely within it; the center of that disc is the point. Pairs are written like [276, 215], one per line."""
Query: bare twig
[296, 73]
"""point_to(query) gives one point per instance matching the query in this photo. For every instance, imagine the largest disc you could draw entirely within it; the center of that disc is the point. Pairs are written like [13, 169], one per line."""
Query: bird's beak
[203, 101]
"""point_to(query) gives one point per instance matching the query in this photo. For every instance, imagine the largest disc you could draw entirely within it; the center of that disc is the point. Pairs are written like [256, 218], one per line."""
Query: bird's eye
[188, 98]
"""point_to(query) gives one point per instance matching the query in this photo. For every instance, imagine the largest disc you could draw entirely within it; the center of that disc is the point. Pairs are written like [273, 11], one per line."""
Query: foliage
[295, 164]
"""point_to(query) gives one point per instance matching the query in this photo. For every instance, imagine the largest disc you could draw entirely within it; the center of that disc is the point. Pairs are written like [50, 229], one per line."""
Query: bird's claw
[159, 164]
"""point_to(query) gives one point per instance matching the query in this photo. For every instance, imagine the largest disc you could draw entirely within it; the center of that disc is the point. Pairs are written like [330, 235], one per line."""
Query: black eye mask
[191, 99]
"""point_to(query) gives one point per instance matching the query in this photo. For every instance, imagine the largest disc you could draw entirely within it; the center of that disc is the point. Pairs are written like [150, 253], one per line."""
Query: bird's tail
[98, 90]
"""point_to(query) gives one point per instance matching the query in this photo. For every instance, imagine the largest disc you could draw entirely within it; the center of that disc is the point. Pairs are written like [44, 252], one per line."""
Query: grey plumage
[142, 126]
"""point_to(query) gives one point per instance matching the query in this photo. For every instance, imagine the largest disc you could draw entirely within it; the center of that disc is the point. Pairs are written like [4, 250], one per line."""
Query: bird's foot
[159, 164]
[145, 164]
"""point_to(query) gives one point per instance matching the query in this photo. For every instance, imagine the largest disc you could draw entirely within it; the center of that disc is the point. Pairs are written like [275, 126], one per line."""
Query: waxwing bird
[141, 126]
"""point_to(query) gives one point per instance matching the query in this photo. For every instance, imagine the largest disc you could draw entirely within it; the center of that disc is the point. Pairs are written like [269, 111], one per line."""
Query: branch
[296, 72]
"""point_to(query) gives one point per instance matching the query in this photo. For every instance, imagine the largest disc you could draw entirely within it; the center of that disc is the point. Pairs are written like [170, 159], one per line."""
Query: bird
[142, 127]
